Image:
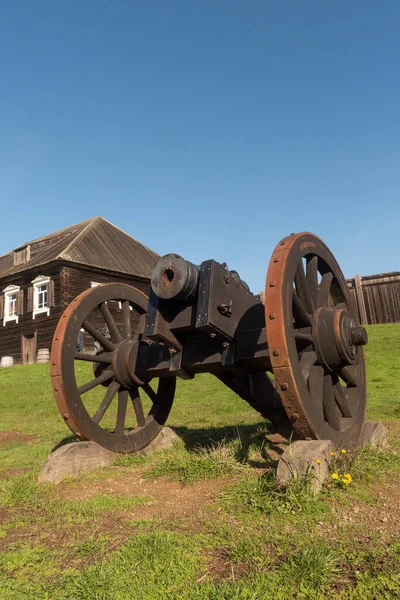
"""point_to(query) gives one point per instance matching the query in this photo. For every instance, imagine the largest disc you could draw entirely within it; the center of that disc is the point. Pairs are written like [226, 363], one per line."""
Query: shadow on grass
[262, 439]
[68, 439]
[257, 437]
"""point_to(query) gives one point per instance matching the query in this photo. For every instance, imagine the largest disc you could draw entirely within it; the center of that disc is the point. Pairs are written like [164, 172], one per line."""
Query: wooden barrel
[6, 361]
[43, 355]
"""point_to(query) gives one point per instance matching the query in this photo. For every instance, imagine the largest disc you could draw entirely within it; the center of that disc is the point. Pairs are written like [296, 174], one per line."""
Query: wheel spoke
[300, 314]
[315, 385]
[111, 324]
[331, 409]
[349, 375]
[105, 403]
[312, 279]
[303, 338]
[121, 412]
[137, 405]
[103, 341]
[324, 289]
[126, 320]
[302, 289]
[150, 392]
[99, 358]
[307, 361]
[105, 376]
[341, 398]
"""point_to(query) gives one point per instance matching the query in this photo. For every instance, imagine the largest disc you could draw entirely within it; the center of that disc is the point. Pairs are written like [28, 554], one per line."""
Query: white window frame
[37, 283]
[8, 292]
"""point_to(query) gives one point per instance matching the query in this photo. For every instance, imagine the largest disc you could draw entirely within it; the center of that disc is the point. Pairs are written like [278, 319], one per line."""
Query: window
[41, 290]
[42, 296]
[11, 304]
[22, 255]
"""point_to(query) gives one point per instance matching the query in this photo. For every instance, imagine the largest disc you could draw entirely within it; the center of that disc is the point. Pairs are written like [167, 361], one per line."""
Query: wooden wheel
[98, 394]
[315, 341]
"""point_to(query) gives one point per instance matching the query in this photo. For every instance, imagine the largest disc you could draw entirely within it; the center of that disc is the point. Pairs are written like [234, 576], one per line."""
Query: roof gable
[95, 242]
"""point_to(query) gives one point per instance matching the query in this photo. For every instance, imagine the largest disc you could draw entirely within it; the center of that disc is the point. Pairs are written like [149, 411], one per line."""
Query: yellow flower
[332, 453]
[344, 451]
[349, 477]
[318, 461]
[346, 481]
[335, 476]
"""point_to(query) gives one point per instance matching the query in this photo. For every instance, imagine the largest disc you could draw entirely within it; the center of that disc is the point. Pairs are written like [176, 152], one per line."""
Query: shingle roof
[95, 242]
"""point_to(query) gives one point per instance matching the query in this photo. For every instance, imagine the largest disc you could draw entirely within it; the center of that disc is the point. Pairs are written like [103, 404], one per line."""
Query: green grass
[218, 460]
[383, 372]
[255, 542]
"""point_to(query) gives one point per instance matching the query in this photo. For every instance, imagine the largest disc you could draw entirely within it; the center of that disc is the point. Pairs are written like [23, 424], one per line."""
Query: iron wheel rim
[306, 404]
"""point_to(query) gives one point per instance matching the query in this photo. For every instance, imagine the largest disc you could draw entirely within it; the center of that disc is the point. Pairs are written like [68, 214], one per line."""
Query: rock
[300, 460]
[374, 434]
[76, 458]
[165, 439]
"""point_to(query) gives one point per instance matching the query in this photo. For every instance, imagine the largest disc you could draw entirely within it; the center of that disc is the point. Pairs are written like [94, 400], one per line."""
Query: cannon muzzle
[175, 277]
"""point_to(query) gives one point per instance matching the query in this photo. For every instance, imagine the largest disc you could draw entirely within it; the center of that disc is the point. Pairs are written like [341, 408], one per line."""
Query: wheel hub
[124, 363]
[337, 337]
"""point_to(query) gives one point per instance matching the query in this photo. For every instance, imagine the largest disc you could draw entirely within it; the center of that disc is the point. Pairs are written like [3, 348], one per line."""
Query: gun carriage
[205, 319]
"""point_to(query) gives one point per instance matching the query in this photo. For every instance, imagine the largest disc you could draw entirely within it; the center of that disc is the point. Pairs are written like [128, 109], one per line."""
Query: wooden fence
[377, 297]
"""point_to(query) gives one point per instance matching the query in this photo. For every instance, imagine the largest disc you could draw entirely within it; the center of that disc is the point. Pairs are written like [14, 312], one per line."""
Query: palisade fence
[377, 297]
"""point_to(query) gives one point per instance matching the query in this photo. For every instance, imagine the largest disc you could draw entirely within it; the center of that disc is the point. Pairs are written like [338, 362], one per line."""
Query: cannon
[296, 357]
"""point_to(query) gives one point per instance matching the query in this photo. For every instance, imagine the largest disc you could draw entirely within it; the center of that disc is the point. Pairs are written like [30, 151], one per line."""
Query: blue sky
[210, 129]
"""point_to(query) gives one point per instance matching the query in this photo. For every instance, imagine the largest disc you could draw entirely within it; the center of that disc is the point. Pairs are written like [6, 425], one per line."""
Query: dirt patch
[66, 535]
[4, 512]
[6, 437]
[167, 498]
[12, 472]
[181, 506]
[381, 516]
[220, 568]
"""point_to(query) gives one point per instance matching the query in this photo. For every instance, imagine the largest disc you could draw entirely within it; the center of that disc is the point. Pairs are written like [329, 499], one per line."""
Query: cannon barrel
[175, 277]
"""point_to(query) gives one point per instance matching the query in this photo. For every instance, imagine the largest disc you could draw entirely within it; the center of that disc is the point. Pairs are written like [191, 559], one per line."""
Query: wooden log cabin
[40, 278]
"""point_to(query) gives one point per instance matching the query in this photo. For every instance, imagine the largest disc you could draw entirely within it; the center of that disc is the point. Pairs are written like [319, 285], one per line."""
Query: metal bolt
[359, 336]
[225, 344]
[65, 417]
[284, 387]
[276, 260]
[213, 335]
[272, 284]
[295, 416]
[272, 316]
[276, 352]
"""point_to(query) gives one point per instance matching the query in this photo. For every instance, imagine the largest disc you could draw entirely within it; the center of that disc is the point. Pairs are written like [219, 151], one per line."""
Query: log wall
[68, 282]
